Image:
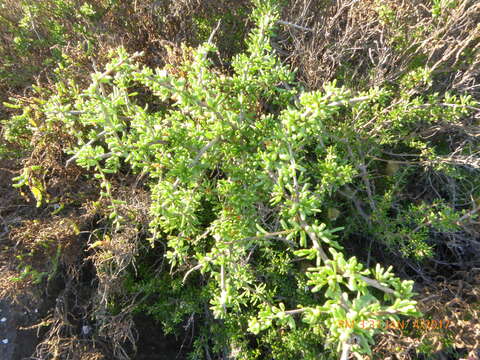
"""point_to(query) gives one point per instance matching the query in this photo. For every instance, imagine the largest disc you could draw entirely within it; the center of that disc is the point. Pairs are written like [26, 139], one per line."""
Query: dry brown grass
[13, 211]
[39, 237]
[455, 300]
[112, 255]
[86, 247]
[367, 43]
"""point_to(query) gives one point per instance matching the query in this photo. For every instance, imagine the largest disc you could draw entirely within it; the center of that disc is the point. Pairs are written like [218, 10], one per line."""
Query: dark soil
[153, 344]
[17, 343]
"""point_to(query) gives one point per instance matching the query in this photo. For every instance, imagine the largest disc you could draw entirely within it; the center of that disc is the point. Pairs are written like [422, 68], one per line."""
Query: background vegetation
[258, 179]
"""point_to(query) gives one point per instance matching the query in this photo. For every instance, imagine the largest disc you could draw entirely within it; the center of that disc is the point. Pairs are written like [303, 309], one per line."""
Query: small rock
[86, 330]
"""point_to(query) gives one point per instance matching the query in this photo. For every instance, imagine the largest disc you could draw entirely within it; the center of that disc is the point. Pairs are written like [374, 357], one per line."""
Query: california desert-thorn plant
[242, 166]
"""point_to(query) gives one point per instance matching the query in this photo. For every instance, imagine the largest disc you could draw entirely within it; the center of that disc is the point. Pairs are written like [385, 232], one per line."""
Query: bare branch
[295, 26]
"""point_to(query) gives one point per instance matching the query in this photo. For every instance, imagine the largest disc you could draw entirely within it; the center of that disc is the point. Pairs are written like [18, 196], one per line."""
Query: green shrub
[248, 174]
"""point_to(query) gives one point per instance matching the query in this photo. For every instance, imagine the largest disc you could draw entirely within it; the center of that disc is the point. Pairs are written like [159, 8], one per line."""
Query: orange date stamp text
[420, 324]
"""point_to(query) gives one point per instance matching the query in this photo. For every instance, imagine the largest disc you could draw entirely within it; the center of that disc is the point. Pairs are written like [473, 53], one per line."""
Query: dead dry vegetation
[368, 43]
[71, 258]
